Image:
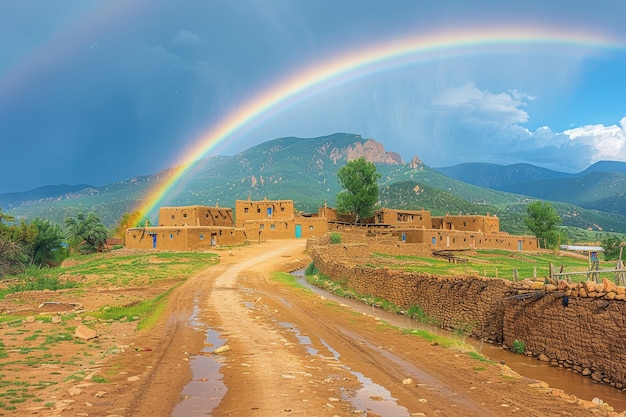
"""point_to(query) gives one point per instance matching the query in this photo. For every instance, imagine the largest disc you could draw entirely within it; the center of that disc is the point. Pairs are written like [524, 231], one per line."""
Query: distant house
[444, 232]
[187, 228]
[276, 219]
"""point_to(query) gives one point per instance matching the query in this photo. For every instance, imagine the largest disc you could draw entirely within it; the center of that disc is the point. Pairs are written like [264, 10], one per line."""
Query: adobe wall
[404, 218]
[475, 223]
[455, 239]
[285, 228]
[195, 216]
[246, 210]
[586, 335]
[184, 238]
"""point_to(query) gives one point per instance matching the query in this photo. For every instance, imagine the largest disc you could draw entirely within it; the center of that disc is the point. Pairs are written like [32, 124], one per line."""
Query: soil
[285, 351]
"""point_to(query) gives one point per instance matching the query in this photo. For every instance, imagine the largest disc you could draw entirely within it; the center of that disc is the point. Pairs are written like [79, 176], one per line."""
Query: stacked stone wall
[578, 326]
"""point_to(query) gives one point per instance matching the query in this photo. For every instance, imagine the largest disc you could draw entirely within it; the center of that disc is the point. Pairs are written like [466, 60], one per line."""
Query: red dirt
[270, 368]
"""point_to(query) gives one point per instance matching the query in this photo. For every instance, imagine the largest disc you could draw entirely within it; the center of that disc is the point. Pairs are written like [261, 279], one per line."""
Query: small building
[403, 218]
[188, 228]
[276, 219]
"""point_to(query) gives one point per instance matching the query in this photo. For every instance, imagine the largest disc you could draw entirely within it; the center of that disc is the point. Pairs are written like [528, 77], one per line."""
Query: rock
[100, 394]
[30, 319]
[74, 391]
[221, 349]
[586, 372]
[608, 285]
[57, 320]
[407, 381]
[544, 358]
[84, 332]
[589, 286]
[537, 286]
[550, 287]
[133, 378]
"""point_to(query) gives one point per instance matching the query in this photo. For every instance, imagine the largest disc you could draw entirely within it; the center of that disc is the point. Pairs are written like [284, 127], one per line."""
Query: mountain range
[305, 170]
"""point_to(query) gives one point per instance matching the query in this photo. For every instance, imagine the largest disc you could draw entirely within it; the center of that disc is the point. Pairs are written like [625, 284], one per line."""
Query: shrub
[518, 346]
[335, 238]
[311, 269]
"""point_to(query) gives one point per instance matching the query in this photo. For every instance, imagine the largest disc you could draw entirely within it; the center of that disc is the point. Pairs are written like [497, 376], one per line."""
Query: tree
[611, 247]
[127, 221]
[541, 219]
[86, 233]
[47, 246]
[359, 196]
[12, 257]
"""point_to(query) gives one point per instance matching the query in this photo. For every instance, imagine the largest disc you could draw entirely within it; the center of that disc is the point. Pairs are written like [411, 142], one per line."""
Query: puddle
[206, 389]
[371, 397]
[375, 398]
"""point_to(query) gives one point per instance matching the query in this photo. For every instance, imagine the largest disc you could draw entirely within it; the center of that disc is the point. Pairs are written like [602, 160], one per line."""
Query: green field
[490, 263]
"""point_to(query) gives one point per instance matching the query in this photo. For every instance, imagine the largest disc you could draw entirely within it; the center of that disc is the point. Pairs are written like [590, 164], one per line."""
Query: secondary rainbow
[349, 66]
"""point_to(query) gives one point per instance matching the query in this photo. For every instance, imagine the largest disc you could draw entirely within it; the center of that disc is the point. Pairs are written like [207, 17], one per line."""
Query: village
[197, 228]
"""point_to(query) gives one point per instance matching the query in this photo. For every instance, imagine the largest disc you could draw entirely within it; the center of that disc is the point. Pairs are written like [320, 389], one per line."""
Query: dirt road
[291, 352]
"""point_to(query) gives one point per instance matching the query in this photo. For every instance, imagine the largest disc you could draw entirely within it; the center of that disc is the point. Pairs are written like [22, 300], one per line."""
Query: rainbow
[358, 63]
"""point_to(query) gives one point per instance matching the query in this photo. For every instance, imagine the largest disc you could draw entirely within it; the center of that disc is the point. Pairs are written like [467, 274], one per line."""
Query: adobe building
[468, 232]
[187, 228]
[276, 219]
[403, 218]
[442, 232]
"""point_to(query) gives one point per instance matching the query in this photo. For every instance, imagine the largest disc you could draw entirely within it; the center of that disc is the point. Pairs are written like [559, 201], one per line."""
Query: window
[282, 209]
[433, 240]
[171, 236]
[172, 217]
[258, 209]
[201, 236]
[245, 209]
[261, 226]
[272, 226]
[184, 215]
[311, 227]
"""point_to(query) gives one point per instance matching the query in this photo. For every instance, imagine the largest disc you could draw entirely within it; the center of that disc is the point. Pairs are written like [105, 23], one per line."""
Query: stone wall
[573, 325]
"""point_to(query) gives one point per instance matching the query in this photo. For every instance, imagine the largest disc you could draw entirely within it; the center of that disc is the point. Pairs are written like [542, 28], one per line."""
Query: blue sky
[100, 91]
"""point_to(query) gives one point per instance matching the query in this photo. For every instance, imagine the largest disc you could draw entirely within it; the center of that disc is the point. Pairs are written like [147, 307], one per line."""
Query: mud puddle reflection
[370, 398]
[206, 389]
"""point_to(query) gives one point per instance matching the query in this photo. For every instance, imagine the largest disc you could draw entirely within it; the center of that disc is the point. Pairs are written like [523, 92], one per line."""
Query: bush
[311, 269]
[335, 238]
[518, 346]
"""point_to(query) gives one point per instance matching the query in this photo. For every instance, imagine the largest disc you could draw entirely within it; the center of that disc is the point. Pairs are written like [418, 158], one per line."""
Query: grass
[488, 263]
[287, 279]
[110, 269]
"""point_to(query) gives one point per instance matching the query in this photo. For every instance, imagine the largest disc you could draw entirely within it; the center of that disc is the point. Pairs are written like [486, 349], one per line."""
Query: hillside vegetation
[305, 171]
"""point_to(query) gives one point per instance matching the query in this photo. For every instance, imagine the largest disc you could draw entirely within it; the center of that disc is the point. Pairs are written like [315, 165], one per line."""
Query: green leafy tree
[47, 246]
[359, 179]
[128, 220]
[86, 234]
[541, 219]
[611, 247]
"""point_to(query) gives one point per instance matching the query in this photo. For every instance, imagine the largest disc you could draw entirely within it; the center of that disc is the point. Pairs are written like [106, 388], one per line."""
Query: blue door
[154, 239]
[269, 212]
[403, 236]
[298, 231]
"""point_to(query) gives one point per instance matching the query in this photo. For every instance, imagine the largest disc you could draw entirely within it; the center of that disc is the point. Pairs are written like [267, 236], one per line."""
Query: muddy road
[287, 351]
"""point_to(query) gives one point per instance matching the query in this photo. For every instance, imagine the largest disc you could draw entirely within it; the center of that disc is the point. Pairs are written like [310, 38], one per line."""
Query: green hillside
[304, 170]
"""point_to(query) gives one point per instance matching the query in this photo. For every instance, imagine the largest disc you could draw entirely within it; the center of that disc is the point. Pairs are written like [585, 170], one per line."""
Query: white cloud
[185, 37]
[606, 142]
[474, 105]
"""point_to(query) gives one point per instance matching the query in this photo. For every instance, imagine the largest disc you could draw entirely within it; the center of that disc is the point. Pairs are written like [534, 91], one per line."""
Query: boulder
[85, 333]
